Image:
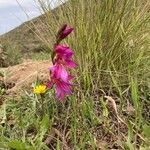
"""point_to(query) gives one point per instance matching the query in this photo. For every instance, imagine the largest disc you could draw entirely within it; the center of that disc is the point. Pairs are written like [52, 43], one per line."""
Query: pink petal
[62, 89]
[63, 51]
[70, 63]
[59, 91]
[59, 72]
[64, 74]
[67, 88]
[49, 84]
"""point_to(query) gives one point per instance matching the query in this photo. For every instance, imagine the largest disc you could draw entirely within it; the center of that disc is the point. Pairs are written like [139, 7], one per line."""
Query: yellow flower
[39, 89]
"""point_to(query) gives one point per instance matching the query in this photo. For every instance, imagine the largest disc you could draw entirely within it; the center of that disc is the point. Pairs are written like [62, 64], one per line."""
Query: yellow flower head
[39, 89]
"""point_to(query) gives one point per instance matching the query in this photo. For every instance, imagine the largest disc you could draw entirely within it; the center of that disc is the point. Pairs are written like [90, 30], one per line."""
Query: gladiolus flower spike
[62, 62]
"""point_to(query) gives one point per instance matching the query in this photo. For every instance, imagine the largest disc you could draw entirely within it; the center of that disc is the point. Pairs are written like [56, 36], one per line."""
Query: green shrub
[13, 55]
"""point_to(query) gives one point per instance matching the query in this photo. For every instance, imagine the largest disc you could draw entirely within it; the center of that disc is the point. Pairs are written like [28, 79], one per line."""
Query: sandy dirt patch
[23, 75]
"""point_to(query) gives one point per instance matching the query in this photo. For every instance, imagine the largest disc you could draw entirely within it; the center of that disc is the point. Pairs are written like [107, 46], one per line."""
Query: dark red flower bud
[63, 33]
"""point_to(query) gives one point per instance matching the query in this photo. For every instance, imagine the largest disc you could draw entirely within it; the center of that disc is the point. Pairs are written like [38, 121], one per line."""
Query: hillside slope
[27, 36]
[23, 36]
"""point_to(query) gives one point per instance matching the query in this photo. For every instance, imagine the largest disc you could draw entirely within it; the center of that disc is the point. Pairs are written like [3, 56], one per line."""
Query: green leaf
[144, 148]
[44, 126]
[130, 132]
[129, 146]
[146, 130]
[17, 145]
[58, 145]
[104, 108]
[134, 93]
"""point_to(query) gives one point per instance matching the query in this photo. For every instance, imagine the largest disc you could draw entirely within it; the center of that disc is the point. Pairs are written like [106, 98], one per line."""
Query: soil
[17, 77]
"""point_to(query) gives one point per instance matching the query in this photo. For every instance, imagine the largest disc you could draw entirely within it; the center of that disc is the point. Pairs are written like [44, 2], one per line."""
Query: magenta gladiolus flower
[59, 72]
[64, 56]
[63, 51]
[62, 88]
[61, 79]
[63, 32]
[62, 60]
